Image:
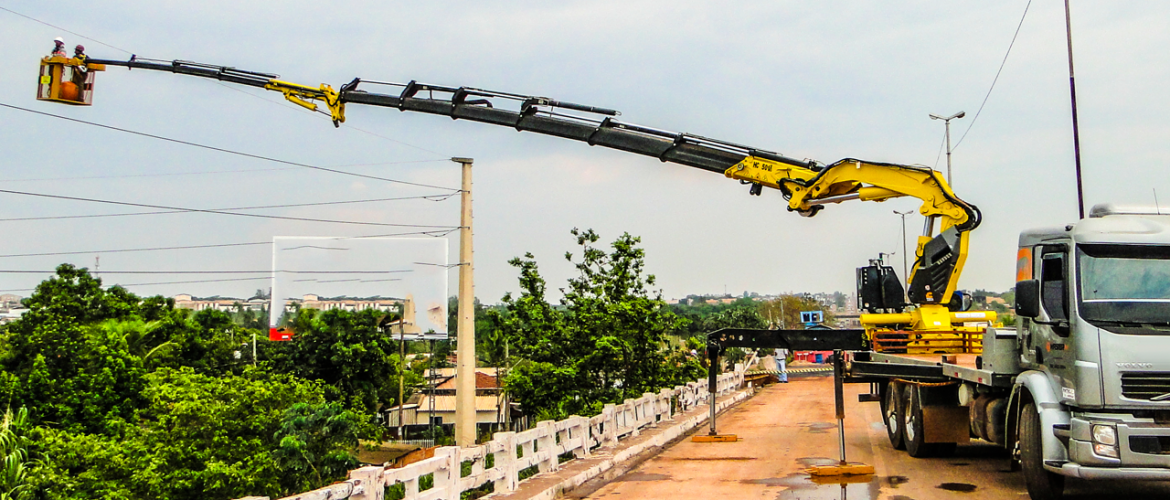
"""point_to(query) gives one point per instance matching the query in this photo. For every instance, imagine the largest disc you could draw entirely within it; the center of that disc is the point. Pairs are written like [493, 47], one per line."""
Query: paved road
[788, 427]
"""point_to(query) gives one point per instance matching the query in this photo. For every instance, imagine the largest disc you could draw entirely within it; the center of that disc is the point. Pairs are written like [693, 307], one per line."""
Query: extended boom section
[807, 185]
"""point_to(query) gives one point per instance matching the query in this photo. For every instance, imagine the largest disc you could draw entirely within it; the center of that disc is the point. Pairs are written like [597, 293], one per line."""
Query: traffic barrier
[539, 447]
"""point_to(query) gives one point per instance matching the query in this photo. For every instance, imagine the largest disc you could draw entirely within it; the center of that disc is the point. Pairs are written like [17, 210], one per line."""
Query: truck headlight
[1105, 434]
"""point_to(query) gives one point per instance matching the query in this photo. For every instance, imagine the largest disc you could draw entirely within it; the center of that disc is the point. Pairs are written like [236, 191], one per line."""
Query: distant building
[489, 401]
[307, 301]
[10, 301]
[10, 308]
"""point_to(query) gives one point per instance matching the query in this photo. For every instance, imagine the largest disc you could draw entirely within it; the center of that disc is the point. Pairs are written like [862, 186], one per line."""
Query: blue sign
[812, 317]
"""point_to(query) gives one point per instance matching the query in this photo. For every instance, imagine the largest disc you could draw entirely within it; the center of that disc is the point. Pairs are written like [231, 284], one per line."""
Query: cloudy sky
[821, 80]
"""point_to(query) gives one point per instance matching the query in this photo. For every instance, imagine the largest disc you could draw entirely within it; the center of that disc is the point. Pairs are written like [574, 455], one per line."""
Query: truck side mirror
[1028, 298]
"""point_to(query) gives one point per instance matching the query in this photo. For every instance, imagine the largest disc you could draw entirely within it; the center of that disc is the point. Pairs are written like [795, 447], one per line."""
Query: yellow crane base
[847, 469]
[715, 438]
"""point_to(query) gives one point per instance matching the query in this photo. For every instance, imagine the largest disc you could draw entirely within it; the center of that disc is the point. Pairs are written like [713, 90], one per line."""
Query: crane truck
[1079, 388]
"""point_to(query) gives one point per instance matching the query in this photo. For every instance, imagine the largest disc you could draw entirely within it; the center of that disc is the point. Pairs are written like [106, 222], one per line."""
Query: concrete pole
[465, 369]
[402, 371]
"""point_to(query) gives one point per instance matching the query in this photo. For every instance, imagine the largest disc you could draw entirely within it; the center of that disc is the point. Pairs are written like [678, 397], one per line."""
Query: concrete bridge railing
[513, 452]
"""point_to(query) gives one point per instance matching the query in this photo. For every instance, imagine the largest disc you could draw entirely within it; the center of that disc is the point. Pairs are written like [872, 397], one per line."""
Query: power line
[219, 212]
[941, 145]
[220, 83]
[208, 172]
[157, 283]
[323, 115]
[123, 250]
[437, 234]
[63, 29]
[996, 79]
[192, 281]
[268, 271]
[435, 197]
[223, 150]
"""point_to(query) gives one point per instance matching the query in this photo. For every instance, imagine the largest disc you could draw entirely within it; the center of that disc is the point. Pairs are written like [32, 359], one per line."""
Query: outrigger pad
[717, 438]
[848, 469]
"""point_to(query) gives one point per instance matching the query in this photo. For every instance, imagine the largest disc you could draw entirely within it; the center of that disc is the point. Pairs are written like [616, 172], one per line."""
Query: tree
[784, 312]
[14, 483]
[737, 317]
[349, 353]
[316, 442]
[128, 397]
[604, 343]
[198, 436]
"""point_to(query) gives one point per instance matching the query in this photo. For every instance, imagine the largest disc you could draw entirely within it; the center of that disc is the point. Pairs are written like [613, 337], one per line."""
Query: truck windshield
[1124, 284]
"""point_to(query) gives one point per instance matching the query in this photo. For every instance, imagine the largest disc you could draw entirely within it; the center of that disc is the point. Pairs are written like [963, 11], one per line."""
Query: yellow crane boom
[806, 184]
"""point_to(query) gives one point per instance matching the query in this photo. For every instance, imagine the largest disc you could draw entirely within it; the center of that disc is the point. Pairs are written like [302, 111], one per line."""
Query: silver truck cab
[1094, 345]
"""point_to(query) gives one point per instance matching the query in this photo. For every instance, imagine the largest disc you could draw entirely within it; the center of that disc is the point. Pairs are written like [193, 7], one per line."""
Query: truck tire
[1042, 485]
[892, 414]
[915, 430]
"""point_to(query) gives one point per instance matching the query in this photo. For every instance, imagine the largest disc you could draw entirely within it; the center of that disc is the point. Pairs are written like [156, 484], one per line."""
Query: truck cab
[1094, 347]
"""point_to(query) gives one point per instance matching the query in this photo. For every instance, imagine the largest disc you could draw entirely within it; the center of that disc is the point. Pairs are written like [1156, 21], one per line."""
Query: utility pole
[465, 368]
[402, 371]
[905, 272]
[1072, 88]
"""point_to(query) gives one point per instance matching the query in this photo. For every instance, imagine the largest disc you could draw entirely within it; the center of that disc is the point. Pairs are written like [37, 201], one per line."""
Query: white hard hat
[59, 39]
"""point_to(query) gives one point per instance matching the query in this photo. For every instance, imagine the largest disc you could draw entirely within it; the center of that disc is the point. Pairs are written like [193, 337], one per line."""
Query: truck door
[1048, 339]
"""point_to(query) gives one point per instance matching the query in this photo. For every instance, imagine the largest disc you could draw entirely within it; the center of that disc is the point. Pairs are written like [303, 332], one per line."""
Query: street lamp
[905, 273]
[947, 120]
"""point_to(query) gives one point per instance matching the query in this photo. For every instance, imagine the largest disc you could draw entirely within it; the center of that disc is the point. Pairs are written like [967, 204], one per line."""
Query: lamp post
[905, 272]
[947, 120]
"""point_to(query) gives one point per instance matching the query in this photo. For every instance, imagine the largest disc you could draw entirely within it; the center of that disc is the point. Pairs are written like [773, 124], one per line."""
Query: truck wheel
[892, 414]
[915, 431]
[1042, 485]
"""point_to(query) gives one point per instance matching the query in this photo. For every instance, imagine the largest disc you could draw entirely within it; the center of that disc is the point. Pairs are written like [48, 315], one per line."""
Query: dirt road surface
[788, 427]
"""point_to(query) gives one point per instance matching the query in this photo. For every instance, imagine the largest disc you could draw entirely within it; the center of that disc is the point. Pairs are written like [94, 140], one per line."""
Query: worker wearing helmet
[59, 47]
[79, 54]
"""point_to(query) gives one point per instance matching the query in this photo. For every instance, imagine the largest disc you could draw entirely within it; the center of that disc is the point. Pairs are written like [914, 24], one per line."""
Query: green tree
[784, 311]
[14, 484]
[605, 342]
[747, 316]
[317, 442]
[198, 436]
[349, 353]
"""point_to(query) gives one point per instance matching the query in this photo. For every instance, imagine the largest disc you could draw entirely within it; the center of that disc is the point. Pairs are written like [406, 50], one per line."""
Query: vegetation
[604, 342]
[121, 397]
[115, 396]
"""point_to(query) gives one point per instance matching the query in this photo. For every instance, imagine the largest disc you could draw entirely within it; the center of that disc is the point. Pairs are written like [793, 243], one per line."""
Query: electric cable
[996, 79]
[267, 271]
[30, 18]
[220, 83]
[326, 116]
[157, 283]
[209, 172]
[438, 233]
[223, 150]
[435, 197]
[219, 212]
[941, 146]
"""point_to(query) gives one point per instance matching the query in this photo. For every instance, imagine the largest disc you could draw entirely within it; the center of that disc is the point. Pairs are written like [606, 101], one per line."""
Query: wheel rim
[891, 412]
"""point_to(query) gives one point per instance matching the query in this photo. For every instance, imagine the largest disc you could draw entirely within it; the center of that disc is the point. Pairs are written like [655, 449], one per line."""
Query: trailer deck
[867, 366]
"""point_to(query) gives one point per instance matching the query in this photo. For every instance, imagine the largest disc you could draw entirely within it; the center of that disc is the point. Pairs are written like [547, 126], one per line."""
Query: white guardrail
[540, 446]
